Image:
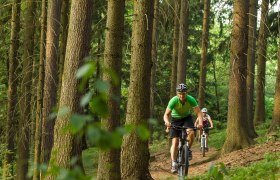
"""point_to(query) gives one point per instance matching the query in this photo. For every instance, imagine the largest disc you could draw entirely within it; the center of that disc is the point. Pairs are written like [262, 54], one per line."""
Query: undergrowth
[268, 169]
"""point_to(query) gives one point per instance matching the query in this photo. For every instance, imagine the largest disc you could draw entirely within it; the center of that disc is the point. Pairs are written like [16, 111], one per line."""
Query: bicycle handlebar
[183, 127]
[207, 128]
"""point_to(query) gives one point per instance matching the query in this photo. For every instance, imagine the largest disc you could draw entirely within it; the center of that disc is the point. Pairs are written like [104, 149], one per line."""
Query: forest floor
[160, 160]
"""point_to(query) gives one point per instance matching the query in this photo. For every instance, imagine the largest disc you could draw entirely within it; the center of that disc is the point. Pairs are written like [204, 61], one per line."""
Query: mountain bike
[183, 151]
[203, 141]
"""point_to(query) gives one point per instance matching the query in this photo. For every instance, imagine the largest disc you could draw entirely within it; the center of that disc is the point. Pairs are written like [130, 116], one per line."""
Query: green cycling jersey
[180, 110]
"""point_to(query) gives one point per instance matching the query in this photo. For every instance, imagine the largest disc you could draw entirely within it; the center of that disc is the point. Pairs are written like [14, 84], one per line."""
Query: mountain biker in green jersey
[179, 113]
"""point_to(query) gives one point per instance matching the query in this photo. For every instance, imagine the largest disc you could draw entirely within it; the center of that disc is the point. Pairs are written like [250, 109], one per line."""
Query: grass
[268, 169]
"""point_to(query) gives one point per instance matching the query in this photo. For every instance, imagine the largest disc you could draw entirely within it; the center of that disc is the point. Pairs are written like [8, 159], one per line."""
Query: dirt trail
[160, 161]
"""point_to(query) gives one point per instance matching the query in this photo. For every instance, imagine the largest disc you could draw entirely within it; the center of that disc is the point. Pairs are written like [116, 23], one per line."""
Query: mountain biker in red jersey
[179, 113]
[207, 122]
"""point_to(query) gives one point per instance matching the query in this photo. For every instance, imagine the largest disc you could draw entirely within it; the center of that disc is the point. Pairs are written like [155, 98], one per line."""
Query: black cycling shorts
[186, 121]
[207, 130]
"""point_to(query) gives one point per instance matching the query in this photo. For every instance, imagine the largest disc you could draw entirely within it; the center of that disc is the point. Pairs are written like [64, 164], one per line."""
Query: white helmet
[204, 110]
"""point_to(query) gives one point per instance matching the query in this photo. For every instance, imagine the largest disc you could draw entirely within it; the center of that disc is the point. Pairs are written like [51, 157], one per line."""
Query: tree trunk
[175, 48]
[24, 101]
[275, 124]
[51, 80]
[154, 66]
[204, 46]
[261, 62]
[64, 19]
[251, 56]
[109, 161]
[237, 135]
[12, 91]
[183, 36]
[39, 104]
[135, 152]
[77, 48]
[216, 87]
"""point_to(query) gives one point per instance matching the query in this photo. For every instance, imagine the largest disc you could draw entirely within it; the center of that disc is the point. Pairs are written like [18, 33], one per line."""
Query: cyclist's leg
[174, 135]
[190, 136]
[207, 136]
[190, 132]
[174, 148]
[198, 134]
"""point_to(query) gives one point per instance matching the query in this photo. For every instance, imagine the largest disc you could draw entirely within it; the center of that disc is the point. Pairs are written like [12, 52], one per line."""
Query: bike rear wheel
[183, 168]
[203, 147]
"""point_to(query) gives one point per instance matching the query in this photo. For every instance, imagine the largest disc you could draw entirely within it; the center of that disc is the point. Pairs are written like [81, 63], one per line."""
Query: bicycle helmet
[181, 88]
[204, 110]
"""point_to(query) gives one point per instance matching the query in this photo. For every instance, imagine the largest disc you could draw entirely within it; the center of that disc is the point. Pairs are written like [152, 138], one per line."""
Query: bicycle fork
[203, 141]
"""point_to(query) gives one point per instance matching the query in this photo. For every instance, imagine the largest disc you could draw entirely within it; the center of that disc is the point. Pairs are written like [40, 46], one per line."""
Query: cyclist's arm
[211, 122]
[166, 117]
[196, 122]
[199, 116]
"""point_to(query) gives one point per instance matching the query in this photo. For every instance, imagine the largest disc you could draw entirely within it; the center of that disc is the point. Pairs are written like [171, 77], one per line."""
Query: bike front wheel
[183, 168]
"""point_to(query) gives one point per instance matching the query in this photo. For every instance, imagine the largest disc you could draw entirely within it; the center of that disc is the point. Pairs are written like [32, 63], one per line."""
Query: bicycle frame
[183, 151]
[203, 142]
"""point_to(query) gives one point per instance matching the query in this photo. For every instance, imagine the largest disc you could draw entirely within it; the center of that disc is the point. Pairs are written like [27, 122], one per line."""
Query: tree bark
[154, 66]
[275, 124]
[216, 87]
[39, 103]
[109, 161]
[77, 48]
[64, 19]
[259, 116]
[237, 135]
[175, 48]
[24, 101]
[51, 80]
[183, 36]
[251, 56]
[135, 152]
[204, 46]
[12, 91]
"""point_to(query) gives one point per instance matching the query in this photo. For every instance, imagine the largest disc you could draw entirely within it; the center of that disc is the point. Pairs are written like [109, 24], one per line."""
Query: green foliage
[73, 174]
[103, 139]
[98, 105]
[157, 145]
[62, 173]
[217, 138]
[216, 172]
[265, 169]
[90, 161]
[78, 122]
[262, 130]
[5, 168]
[2, 153]
[85, 72]
[143, 132]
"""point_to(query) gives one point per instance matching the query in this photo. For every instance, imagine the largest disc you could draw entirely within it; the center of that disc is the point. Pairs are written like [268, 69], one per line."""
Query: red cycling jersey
[205, 121]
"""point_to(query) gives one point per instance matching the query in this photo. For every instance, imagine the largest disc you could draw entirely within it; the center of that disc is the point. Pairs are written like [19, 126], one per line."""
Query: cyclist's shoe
[174, 167]
[206, 149]
[190, 155]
